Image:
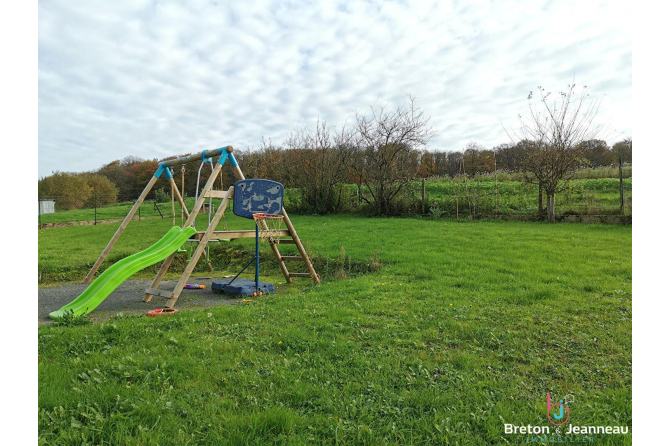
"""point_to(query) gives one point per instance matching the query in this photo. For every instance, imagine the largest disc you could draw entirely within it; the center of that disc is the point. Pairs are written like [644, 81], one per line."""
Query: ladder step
[286, 241]
[292, 258]
[299, 275]
[216, 194]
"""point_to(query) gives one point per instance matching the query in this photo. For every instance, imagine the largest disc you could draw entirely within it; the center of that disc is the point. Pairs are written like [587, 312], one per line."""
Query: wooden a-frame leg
[120, 230]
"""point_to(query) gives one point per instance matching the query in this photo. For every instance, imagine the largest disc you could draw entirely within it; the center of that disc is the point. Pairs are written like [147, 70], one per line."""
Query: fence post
[39, 211]
[95, 208]
[423, 197]
[458, 195]
[495, 174]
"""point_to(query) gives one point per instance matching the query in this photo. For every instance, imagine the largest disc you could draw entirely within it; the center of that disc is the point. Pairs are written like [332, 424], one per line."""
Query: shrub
[103, 191]
[161, 196]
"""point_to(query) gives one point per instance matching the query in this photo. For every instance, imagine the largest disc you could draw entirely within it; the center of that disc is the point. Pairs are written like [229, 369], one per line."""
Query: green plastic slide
[116, 274]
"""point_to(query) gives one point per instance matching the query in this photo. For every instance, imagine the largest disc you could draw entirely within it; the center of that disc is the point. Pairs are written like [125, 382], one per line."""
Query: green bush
[161, 196]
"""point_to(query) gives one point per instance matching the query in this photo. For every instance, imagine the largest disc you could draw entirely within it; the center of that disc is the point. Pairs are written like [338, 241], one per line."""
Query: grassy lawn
[467, 326]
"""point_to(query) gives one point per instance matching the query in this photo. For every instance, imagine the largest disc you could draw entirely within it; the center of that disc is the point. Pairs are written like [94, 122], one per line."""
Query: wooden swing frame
[210, 234]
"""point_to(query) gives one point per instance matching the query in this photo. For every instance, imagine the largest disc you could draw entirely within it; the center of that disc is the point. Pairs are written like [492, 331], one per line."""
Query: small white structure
[47, 206]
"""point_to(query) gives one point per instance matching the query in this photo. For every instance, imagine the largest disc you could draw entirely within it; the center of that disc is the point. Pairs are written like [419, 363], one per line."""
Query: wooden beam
[197, 156]
[284, 241]
[232, 235]
[159, 277]
[216, 194]
[300, 274]
[158, 292]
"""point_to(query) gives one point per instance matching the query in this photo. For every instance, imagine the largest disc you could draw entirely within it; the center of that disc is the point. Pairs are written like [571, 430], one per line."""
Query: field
[423, 332]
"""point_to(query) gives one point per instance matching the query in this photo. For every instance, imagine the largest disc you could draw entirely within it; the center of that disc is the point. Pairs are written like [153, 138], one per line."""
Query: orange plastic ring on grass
[162, 311]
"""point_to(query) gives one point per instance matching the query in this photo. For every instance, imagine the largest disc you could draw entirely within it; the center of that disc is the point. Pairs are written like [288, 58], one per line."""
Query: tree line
[379, 152]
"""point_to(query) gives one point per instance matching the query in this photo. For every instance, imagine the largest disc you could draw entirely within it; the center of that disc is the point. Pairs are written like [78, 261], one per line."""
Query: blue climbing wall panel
[256, 195]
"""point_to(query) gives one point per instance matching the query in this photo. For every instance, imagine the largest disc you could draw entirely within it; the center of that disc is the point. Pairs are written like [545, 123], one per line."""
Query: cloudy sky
[154, 79]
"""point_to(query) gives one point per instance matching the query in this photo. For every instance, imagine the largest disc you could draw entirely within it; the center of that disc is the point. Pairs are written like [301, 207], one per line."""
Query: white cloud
[154, 79]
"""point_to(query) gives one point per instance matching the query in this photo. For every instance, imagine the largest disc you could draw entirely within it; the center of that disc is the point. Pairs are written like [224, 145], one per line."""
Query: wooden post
[458, 194]
[423, 196]
[120, 230]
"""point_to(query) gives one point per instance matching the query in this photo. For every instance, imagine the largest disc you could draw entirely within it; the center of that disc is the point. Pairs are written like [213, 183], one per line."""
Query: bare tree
[554, 132]
[387, 157]
[316, 162]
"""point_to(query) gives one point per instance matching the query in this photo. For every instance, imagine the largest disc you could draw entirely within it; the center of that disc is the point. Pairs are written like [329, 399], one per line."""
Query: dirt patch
[63, 224]
[128, 298]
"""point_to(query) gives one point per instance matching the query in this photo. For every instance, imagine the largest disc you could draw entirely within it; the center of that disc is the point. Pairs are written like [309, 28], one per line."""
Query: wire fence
[474, 199]
[480, 199]
[51, 214]
[436, 197]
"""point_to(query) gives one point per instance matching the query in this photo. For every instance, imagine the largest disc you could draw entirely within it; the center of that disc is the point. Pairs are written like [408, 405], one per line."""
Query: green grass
[579, 197]
[467, 326]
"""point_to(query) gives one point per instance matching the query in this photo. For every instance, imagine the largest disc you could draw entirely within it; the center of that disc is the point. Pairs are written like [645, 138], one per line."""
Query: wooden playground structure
[282, 236]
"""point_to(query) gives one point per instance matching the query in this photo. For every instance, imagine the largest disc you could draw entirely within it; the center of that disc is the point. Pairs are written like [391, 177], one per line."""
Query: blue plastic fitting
[233, 162]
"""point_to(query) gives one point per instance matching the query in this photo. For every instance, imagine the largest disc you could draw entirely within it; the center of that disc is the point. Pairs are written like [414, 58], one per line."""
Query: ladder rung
[216, 194]
[299, 275]
[286, 241]
[291, 258]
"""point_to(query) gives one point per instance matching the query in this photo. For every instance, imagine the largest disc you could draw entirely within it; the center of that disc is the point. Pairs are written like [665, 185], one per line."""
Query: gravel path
[127, 298]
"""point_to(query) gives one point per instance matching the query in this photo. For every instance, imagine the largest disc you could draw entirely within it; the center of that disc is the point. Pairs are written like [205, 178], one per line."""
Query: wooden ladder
[301, 257]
